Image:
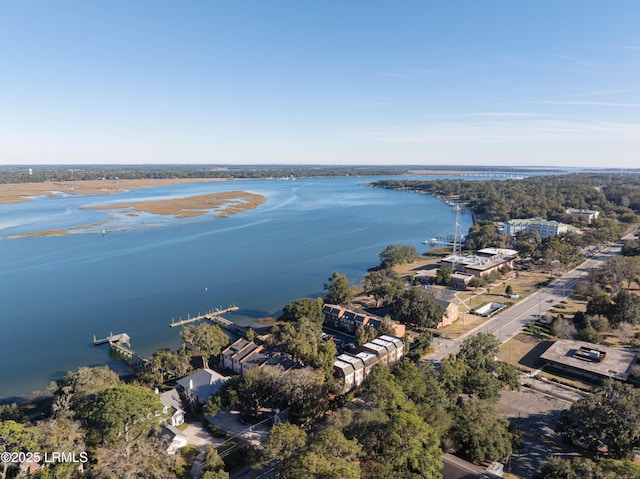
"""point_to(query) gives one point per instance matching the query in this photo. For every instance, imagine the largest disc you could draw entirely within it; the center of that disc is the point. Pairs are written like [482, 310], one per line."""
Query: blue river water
[57, 292]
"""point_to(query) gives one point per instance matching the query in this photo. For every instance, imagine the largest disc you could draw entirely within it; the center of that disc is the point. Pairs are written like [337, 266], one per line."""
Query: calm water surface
[57, 292]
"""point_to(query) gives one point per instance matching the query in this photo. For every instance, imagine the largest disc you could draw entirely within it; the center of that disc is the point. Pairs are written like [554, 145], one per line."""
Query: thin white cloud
[577, 61]
[508, 132]
[507, 114]
[601, 93]
[589, 103]
[407, 72]
[421, 71]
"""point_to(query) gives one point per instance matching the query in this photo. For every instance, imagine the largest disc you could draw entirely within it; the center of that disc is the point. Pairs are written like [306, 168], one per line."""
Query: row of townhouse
[350, 370]
[347, 320]
[243, 355]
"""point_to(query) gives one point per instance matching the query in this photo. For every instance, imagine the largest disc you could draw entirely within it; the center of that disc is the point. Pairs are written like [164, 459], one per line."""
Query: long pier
[214, 316]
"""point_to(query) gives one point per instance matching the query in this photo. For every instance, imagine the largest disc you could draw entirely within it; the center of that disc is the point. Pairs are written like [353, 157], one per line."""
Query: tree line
[43, 173]
[616, 196]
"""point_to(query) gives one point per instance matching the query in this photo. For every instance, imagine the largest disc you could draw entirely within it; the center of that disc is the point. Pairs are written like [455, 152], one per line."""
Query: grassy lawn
[524, 350]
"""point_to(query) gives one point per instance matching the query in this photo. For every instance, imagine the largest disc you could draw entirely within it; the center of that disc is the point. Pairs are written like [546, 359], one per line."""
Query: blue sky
[327, 82]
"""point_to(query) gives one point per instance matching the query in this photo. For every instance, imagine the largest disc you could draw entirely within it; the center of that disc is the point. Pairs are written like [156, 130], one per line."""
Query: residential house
[201, 385]
[283, 360]
[172, 407]
[379, 350]
[350, 321]
[237, 353]
[226, 356]
[256, 358]
[332, 314]
[399, 344]
[368, 359]
[344, 374]
[392, 356]
[238, 360]
[450, 315]
[350, 370]
[358, 367]
[172, 439]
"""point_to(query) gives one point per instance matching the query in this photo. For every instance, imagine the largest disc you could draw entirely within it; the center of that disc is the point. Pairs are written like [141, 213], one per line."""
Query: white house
[172, 407]
[173, 439]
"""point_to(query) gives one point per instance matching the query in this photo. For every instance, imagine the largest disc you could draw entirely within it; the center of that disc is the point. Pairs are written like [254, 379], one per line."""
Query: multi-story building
[350, 370]
[545, 228]
[589, 215]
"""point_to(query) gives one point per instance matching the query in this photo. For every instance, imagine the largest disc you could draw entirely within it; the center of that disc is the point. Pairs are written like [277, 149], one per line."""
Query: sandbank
[222, 203]
[227, 202]
[17, 192]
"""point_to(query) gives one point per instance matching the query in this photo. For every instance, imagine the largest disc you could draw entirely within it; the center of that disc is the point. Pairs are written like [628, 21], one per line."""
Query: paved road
[510, 322]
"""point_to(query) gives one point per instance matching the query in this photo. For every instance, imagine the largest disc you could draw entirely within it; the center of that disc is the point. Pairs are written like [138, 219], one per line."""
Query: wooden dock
[214, 316]
[121, 345]
[112, 338]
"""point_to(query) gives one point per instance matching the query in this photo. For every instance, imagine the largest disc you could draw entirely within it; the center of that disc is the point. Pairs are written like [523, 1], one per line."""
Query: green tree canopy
[207, 339]
[16, 437]
[610, 415]
[576, 468]
[213, 465]
[626, 308]
[285, 443]
[395, 254]
[417, 306]
[303, 308]
[412, 447]
[443, 275]
[480, 433]
[77, 390]
[338, 289]
[123, 415]
[171, 364]
[385, 285]
[303, 340]
[484, 374]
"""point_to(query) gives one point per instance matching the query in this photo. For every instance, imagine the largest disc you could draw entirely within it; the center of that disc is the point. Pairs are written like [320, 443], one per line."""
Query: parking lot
[535, 415]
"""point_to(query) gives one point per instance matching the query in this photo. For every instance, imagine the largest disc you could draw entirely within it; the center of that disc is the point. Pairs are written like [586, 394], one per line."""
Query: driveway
[198, 435]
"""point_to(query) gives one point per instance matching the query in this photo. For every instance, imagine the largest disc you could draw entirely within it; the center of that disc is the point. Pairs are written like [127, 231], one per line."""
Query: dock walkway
[214, 316]
[121, 344]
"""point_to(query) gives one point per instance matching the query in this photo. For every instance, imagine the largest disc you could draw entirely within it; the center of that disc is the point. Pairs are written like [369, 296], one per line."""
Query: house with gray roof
[172, 407]
[358, 367]
[344, 374]
[201, 385]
